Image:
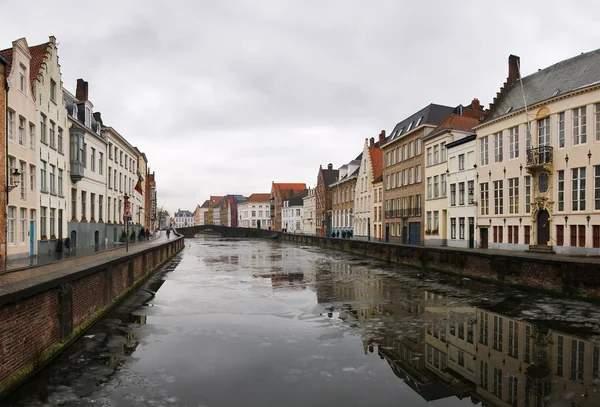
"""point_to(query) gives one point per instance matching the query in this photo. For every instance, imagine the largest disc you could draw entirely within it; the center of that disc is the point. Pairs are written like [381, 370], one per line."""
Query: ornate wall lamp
[16, 178]
[589, 156]
[588, 220]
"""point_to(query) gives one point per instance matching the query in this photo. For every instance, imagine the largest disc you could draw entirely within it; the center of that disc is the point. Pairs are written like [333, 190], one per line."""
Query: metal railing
[539, 155]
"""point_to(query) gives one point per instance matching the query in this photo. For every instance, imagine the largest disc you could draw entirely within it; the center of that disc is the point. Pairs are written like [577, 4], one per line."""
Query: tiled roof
[206, 204]
[432, 114]
[259, 197]
[455, 122]
[215, 200]
[7, 54]
[565, 76]
[378, 179]
[294, 186]
[38, 55]
[376, 161]
[330, 176]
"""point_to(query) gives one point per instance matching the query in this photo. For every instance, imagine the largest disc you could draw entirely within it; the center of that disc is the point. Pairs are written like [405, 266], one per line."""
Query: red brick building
[279, 193]
[325, 178]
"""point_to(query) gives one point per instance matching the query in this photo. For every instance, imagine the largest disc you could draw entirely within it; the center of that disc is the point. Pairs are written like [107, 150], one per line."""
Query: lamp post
[16, 178]
[126, 218]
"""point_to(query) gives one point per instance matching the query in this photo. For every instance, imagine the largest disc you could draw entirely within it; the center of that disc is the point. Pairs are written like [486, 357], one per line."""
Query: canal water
[265, 323]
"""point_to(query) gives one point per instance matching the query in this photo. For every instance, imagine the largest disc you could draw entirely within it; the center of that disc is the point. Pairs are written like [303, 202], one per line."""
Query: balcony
[539, 157]
[77, 171]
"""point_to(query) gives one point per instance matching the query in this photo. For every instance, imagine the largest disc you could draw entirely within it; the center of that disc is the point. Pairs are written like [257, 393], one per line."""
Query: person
[168, 233]
[147, 234]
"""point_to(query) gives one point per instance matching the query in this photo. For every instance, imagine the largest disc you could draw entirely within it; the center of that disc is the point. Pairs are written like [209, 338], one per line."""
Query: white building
[364, 194]
[182, 219]
[23, 198]
[309, 206]
[292, 212]
[88, 174]
[254, 212]
[462, 208]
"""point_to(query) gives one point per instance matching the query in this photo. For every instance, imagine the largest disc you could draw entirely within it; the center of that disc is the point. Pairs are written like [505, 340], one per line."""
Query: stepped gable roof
[376, 161]
[206, 204]
[432, 114]
[259, 197]
[38, 56]
[565, 76]
[456, 122]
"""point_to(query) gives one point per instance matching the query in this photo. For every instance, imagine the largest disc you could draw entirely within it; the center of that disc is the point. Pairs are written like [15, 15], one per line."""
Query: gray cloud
[225, 97]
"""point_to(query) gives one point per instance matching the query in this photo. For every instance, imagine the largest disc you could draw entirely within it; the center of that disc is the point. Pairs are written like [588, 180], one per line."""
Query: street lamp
[16, 174]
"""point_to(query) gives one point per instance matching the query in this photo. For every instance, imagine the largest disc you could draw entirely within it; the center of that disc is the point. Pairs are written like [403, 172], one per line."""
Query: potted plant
[67, 242]
[132, 236]
[123, 236]
[59, 246]
[44, 237]
[53, 237]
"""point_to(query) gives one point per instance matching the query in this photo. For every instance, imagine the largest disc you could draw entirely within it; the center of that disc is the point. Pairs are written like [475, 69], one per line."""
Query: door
[471, 233]
[543, 227]
[258, 224]
[414, 233]
[31, 237]
[60, 223]
[96, 239]
[115, 237]
[484, 237]
[73, 239]
[405, 232]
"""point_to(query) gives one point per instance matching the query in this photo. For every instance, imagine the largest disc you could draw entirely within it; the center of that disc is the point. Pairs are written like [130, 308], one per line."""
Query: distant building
[310, 208]
[182, 219]
[201, 210]
[254, 212]
[292, 213]
[325, 177]
[279, 193]
[342, 199]
[150, 199]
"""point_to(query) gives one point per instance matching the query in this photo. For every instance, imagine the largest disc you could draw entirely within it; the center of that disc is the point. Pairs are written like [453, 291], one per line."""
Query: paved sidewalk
[17, 274]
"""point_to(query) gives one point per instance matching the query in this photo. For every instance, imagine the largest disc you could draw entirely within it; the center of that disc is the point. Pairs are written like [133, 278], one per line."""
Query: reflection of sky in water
[245, 323]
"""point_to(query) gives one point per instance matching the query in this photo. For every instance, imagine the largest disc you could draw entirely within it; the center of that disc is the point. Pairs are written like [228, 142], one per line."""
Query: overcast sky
[227, 96]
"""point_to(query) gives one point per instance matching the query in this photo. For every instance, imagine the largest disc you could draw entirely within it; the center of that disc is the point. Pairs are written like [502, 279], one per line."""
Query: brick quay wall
[39, 317]
[554, 273]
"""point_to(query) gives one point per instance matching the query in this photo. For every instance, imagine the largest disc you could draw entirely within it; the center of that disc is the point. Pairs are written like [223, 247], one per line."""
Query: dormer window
[419, 121]
[75, 111]
[88, 115]
[409, 127]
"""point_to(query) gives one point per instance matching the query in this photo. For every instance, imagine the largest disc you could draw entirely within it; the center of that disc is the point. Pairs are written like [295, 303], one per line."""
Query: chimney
[330, 166]
[98, 118]
[513, 69]
[475, 105]
[372, 142]
[82, 90]
[381, 138]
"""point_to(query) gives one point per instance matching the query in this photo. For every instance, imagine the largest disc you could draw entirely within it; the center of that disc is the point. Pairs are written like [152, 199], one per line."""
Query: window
[483, 374]
[428, 220]
[579, 126]
[444, 185]
[404, 153]
[93, 206]
[498, 198]
[485, 198]
[93, 159]
[52, 222]
[110, 151]
[436, 154]
[513, 390]
[83, 196]
[498, 155]
[23, 78]
[461, 193]
[60, 140]
[44, 221]
[52, 90]
[444, 151]
[461, 229]
[429, 188]
[101, 163]
[497, 344]
[31, 136]
[452, 228]
[43, 126]
[560, 352]
[596, 186]
[461, 357]
[110, 181]
[513, 142]
[418, 146]
[60, 182]
[561, 130]
[579, 189]
[418, 176]
[121, 158]
[436, 183]
[461, 330]
[527, 350]
[11, 225]
[452, 194]
[52, 134]
[43, 176]
[561, 191]
[52, 179]
[597, 116]
[513, 195]
[513, 339]
[527, 194]
[527, 234]
[577, 354]
[22, 183]
[32, 178]
[544, 132]
[429, 157]
[126, 159]
[411, 152]
[74, 203]
[461, 162]
[411, 175]
[484, 150]
[23, 218]
[527, 136]
[107, 207]
[120, 182]
[21, 131]
[436, 220]
[471, 192]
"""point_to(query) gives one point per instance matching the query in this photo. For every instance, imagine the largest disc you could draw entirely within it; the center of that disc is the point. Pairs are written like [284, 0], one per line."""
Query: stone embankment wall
[39, 317]
[574, 276]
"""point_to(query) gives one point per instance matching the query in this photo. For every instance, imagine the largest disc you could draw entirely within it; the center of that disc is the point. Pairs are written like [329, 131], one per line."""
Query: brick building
[209, 217]
[325, 177]
[279, 193]
[403, 174]
[342, 200]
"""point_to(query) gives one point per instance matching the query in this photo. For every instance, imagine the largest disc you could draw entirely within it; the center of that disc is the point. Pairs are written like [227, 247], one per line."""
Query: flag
[138, 186]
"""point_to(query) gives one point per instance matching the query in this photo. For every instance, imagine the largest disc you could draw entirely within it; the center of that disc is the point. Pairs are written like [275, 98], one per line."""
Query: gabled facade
[200, 213]
[183, 219]
[209, 216]
[378, 233]
[437, 168]
[539, 163]
[254, 212]
[325, 177]
[309, 205]
[403, 174]
[292, 213]
[342, 200]
[279, 193]
[24, 129]
[370, 168]
[87, 172]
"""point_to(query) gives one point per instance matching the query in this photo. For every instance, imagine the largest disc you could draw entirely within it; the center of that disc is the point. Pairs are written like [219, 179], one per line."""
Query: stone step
[540, 249]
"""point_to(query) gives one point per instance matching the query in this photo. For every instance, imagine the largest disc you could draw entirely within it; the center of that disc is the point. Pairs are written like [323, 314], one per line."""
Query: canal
[264, 323]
